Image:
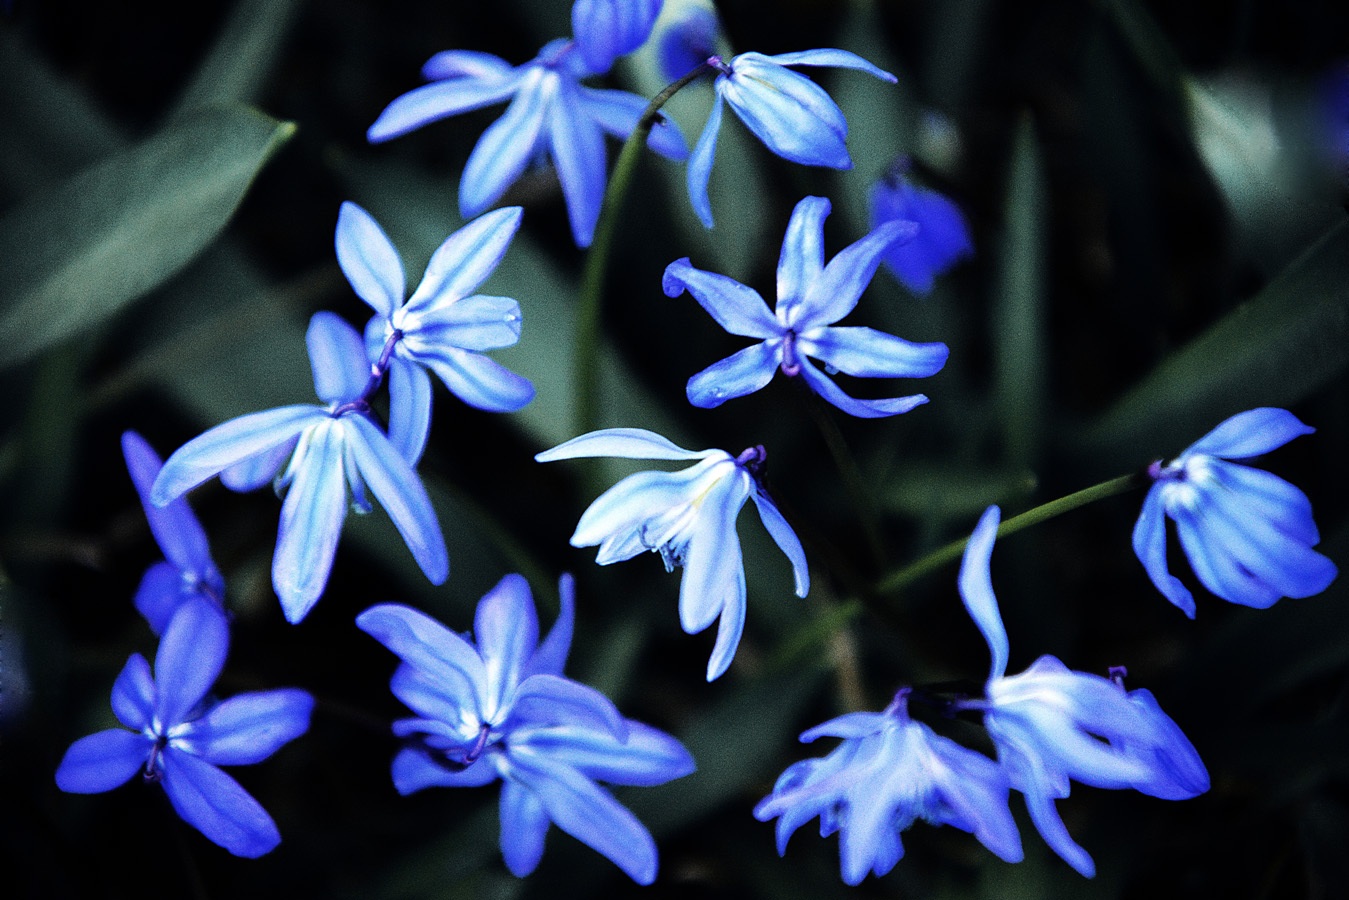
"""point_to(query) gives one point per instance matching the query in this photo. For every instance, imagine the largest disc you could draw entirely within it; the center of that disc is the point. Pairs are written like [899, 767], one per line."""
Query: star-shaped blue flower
[889, 772]
[178, 738]
[187, 569]
[552, 115]
[791, 114]
[336, 452]
[812, 296]
[1248, 533]
[688, 517]
[499, 708]
[942, 239]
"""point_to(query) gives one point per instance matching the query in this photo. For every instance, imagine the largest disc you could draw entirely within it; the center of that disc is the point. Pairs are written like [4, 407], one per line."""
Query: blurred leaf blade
[241, 57]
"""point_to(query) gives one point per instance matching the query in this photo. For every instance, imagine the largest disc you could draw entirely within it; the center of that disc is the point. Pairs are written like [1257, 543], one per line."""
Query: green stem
[952, 551]
[597, 259]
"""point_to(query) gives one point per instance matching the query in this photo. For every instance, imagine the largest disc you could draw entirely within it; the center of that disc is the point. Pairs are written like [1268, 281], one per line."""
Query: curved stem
[952, 551]
[586, 346]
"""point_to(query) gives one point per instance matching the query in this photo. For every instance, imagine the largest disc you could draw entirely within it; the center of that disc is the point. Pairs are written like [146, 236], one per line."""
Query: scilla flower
[1247, 533]
[942, 239]
[1052, 725]
[812, 296]
[336, 452]
[179, 739]
[552, 115]
[791, 114]
[499, 708]
[688, 517]
[604, 30]
[889, 772]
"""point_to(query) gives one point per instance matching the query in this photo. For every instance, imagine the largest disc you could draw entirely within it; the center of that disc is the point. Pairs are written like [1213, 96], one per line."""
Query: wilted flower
[942, 238]
[604, 30]
[688, 517]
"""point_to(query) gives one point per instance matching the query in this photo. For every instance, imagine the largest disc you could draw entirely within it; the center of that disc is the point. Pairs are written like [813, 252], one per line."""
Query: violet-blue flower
[942, 239]
[812, 296]
[1248, 533]
[442, 326]
[889, 772]
[686, 41]
[178, 738]
[791, 114]
[187, 569]
[498, 707]
[552, 115]
[1052, 725]
[688, 517]
[335, 453]
[604, 30]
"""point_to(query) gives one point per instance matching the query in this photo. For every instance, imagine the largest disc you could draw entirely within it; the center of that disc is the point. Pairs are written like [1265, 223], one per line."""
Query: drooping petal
[1268, 497]
[867, 353]
[190, 656]
[741, 373]
[730, 627]
[259, 469]
[441, 99]
[802, 258]
[617, 113]
[1250, 433]
[134, 693]
[700, 163]
[835, 293]
[425, 644]
[713, 570]
[215, 804]
[477, 380]
[409, 408]
[551, 657]
[159, 595]
[465, 63]
[368, 259]
[625, 443]
[863, 409]
[506, 630]
[337, 355]
[507, 145]
[976, 590]
[311, 521]
[464, 260]
[786, 539]
[841, 59]
[1149, 542]
[735, 307]
[1050, 825]
[791, 114]
[175, 528]
[248, 728]
[102, 761]
[474, 323]
[546, 700]
[414, 770]
[524, 825]
[577, 148]
[647, 757]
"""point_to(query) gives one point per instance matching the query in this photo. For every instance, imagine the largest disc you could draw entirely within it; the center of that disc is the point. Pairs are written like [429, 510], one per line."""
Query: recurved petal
[802, 258]
[524, 825]
[311, 521]
[507, 145]
[409, 408]
[551, 657]
[102, 761]
[741, 373]
[647, 757]
[133, 694]
[248, 728]
[786, 539]
[425, 644]
[976, 589]
[626, 443]
[369, 260]
[617, 113]
[175, 528]
[791, 114]
[337, 356]
[828, 57]
[736, 308]
[1149, 541]
[863, 409]
[506, 628]
[867, 353]
[1250, 433]
[414, 770]
[190, 656]
[463, 261]
[477, 380]
[700, 162]
[215, 804]
[441, 99]
[474, 323]
[836, 291]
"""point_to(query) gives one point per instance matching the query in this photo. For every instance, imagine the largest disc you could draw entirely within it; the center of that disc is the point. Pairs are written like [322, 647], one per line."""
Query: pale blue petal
[175, 528]
[414, 770]
[976, 589]
[439, 100]
[464, 260]
[802, 258]
[102, 761]
[785, 538]
[214, 804]
[838, 58]
[848, 725]
[311, 521]
[1268, 497]
[159, 595]
[409, 408]
[229, 443]
[729, 629]
[617, 113]
[647, 757]
[337, 356]
[551, 657]
[474, 323]
[465, 63]
[737, 308]
[835, 293]
[506, 630]
[546, 700]
[400, 492]
[1149, 541]
[625, 443]
[867, 353]
[700, 161]
[863, 409]
[791, 114]
[477, 380]
[577, 148]
[1045, 815]
[975, 788]
[631, 504]
[190, 657]
[507, 145]
[134, 694]
[435, 696]
[741, 373]
[524, 825]
[259, 469]
[1250, 433]
[427, 645]
[248, 728]
[369, 260]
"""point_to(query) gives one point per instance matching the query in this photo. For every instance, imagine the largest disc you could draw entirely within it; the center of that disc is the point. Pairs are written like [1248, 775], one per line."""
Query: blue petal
[311, 520]
[714, 575]
[791, 114]
[700, 162]
[425, 644]
[802, 258]
[190, 657]
[1149, 541]
[524, 825]
[413, 771]
[975, 788]
[547, 700]
[687, 42]
[257, 470]
[729, 628]
[943, 238]
[1250, 433]
[369, 260]
[409, 408]
[134, 693]
[463, 261]
[827, 57]
[431, 102]
[551, 657]
[337, 355]
[848, 725]
[633, 503]
[1047, 821]
[474, 323]
[215, 804]
[647, 757]
[617, 112]
[737, 308]
[741, 373]
[625, 443]
[863, 409]
[175, 528]
[976, 589]
[508, 144]
[465, 63]
[1179, 773]
[159, 595]
[867, 353]
[1267, 496]
[477, 380]
[835, 293]
[607, 29]
[577, 147]
[102, 761]
[506, 629]
[400, 492]
[434, 697]
[248, 728]
[784, 537]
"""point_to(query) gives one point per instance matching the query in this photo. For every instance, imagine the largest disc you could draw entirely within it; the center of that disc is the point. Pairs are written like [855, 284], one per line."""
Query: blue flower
[942, 239]
[1247, 533]
[688, 517]
[889, 772]
[179, 739]
[604, 30]
[442, 326]
[687, 41]
[791, 114]
[1052, 725]
[811, 297]
[188, 569]
[500, 708]
[552, 116]
[333, 449]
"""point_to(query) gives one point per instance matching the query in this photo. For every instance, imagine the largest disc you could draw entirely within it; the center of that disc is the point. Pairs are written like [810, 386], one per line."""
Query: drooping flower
[187, 569]
[499, 708]
[942, 239]
[604, 30]
[336, 452]
[889, 772]
[178, 738]
[551, 115]
[687, 40]
[688, 517]
[1248, 533]
[1052, 725]
[443, 326]
[812, 296]
[791, 114]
